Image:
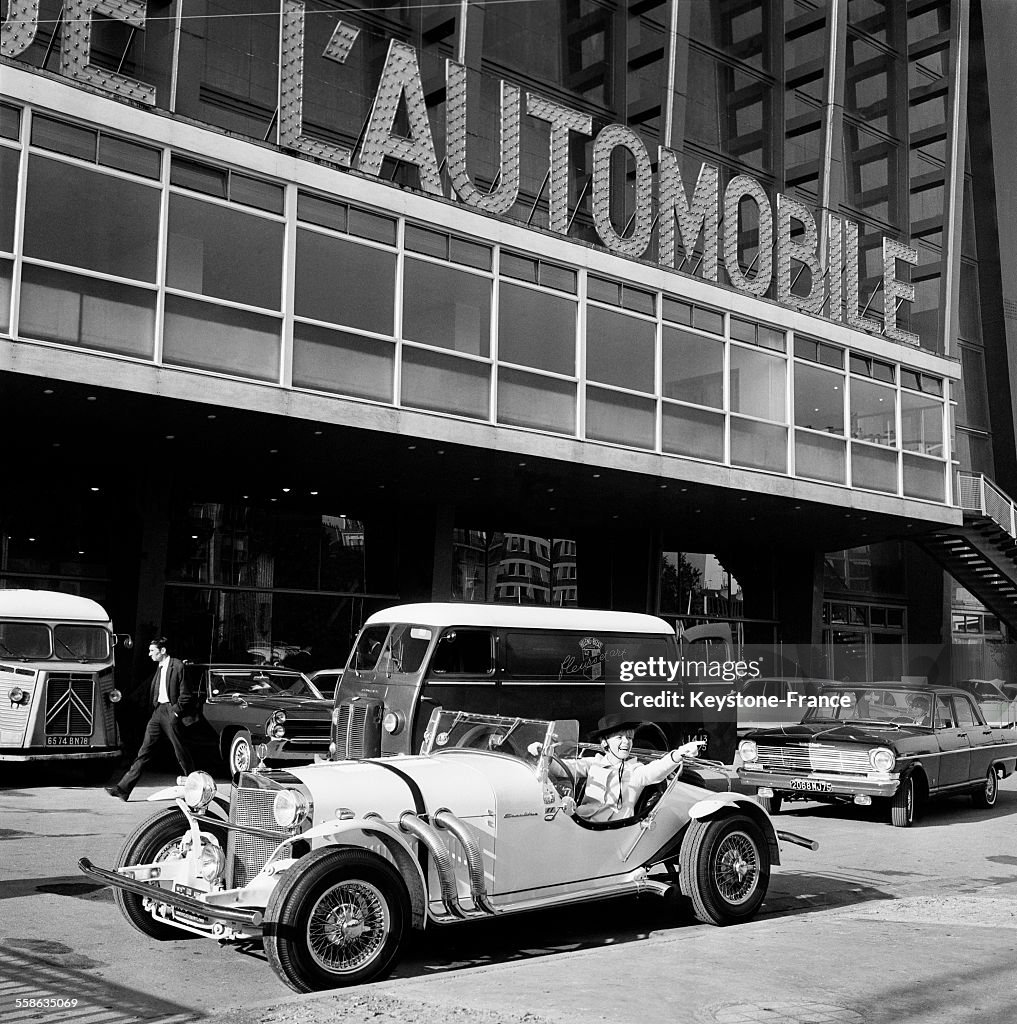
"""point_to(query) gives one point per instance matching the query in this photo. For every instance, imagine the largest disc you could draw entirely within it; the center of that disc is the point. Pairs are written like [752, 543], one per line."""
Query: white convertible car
[332, 864]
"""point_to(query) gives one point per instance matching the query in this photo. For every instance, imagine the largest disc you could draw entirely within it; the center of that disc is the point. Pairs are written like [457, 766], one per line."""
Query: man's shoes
[117, 792]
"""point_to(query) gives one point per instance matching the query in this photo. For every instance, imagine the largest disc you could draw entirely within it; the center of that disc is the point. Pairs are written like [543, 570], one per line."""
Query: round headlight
[17, 696]
[882, 759]
[114, 696]
[275, 731]
[748, 751]
[289, 807]
[199, 788]
[392, 722]
[213, 861]
[279, 717]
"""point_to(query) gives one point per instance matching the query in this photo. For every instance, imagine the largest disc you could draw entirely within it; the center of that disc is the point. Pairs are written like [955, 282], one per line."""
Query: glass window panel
[346, 363]
[872, 412]
[130, 156]
[819, 399]
[6, 271]
[446, 307]
[8, 196]
[806, 348]
[873, 469]
[519, 267]
[84, 311]
[758, 383]
[84, 218]
[770, 337]
[528, 400]
[830, 356]
[921, 424]
[972, 395]
[562, 278]
[211, 337]
[262, 195]
[619, 349]
[61, 137]
[470, 254]
[213, 181]
[323, 212]
[204, 240]
[10, 122]
[758, 445]
[603, 291]
[537, 329]
[909, 379]
[820, 458]
[639, 301]
[708, 320]
[430, 243]
[677, 312]
[743, 330]
[693, 368]
[924, 478]
[346, 283]
[444, 383]
[619, 418]
[373, 226]
[693, 432]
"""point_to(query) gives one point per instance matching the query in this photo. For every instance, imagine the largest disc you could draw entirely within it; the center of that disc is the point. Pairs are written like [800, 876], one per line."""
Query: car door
[954, 746]
[979, 736]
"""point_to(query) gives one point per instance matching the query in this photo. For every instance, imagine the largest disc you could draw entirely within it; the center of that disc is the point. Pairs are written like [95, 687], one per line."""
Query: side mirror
[123, 640]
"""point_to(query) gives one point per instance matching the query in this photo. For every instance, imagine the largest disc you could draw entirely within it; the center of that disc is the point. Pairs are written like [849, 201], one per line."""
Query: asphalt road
[881, 925]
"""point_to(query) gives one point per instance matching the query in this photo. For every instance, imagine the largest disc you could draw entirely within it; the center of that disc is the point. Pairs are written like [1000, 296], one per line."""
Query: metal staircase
[981, 554]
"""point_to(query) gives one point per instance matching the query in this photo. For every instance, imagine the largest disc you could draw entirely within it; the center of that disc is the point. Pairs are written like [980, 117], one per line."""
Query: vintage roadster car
[894, 742]
[332, 864]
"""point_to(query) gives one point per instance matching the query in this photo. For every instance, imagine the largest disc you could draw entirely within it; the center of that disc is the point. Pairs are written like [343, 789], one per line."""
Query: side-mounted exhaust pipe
[428, 835]
[444, 818]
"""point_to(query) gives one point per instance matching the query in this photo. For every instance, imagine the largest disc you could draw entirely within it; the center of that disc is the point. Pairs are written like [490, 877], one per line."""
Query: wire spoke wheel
[736, 867]
[347, 926]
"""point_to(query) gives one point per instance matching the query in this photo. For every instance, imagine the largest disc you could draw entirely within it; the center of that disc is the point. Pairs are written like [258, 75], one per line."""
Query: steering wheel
[566, 786]
[483, 737]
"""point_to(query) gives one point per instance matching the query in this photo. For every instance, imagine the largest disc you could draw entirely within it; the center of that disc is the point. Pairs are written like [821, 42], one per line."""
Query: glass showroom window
[446, 307]
[922, 432]
[758, 388]
[692, 372]
[819, 407]
[874, 421]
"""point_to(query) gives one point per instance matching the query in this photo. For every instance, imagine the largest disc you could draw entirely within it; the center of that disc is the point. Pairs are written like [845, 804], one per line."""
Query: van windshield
[24, 640]
[389, 649]
[81, 643]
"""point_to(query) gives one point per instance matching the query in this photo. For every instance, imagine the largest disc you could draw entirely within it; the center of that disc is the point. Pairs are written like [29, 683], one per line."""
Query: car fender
[403, 855]
[718, 805]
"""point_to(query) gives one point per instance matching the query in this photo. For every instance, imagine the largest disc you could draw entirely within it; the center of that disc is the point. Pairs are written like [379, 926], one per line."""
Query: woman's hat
[614, 723]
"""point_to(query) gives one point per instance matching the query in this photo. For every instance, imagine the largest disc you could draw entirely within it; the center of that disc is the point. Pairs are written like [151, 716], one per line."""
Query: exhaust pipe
[790, 837]
[444, 818]
[428, 835]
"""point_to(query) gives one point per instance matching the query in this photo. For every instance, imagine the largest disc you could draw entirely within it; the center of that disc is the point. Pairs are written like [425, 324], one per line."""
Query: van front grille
[69, 704]
[357, 729]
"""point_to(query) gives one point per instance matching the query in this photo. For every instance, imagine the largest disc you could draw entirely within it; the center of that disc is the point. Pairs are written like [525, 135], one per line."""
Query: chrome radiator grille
[69, 697]
[246, 854]
[815, 758]
[357, 729]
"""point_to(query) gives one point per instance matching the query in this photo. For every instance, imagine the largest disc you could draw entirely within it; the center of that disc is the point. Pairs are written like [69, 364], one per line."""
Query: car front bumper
[820, 784]
[293, 751]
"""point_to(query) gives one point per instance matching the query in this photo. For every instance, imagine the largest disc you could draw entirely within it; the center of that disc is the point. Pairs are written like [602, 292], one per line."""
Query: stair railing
[977, 493]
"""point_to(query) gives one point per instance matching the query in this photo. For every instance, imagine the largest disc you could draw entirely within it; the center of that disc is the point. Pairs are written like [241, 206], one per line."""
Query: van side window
[464, 652]
[404, 650]
[365, 657]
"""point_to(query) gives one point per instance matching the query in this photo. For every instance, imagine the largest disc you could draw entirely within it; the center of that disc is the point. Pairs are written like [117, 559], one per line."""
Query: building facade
[687, 306]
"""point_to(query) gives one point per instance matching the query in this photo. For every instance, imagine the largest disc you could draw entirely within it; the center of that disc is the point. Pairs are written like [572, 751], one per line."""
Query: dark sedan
[246, 706]
[888, 741]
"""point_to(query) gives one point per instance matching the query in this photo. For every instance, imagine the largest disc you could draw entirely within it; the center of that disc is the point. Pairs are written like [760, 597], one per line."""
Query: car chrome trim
[444, 818]
[178, 900]
[427, 834]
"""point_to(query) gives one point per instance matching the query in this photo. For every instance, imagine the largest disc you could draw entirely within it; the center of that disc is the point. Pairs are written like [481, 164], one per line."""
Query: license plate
[810, 786]
[68, 741]
[187, 890]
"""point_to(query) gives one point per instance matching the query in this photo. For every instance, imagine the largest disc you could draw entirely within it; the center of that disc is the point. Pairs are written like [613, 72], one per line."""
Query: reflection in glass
[620, 418]
[346, 363]
[446, 307]
[924, 478]
[758, 445]
[693, 368]
[529, 400]
[204, 240]
[84, 311]
[210, 337]
[5, 294]
[693, 432]
[619, 349]
[758, 384]
[443, 383]
[344, 283]
[84, 218]
[9, 159]
[820, 458]
[873, 469]
[536, 329]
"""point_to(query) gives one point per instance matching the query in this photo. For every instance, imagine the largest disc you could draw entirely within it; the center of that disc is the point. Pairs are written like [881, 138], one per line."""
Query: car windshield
[261, 682]
[516, 737]
[873, 705]
[986, 691]
[81, 643]
[24, 640]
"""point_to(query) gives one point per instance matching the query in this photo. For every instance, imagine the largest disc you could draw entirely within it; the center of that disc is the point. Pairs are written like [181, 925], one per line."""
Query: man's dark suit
[167, 718]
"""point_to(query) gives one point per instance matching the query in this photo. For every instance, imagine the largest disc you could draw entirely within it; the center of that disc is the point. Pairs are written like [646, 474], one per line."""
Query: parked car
[246, 706]
[770, 702]
[1010, 689]
[331, 865]
[999, 709]
[327, 680]
[886, 741]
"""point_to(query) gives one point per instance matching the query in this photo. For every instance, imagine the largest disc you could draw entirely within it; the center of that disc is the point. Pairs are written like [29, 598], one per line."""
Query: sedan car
[881, 741]
[998, 708]
[249, 706]
[327, 680]
[333, 864]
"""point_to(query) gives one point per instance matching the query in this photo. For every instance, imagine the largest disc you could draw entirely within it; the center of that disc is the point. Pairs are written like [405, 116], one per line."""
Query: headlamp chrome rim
[289, 807]
[748, 751]
[199, 790]
[882, 759]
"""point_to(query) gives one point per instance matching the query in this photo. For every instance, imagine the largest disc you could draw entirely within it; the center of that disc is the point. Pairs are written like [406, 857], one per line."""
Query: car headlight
[883, 759]
[748, 751]
[114, 696]
[213, 861]
[199, 788]
[17, 696]
[393, 722]
[289, 806]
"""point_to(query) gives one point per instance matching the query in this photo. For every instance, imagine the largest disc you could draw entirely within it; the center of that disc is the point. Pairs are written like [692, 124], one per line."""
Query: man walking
[172, 701]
